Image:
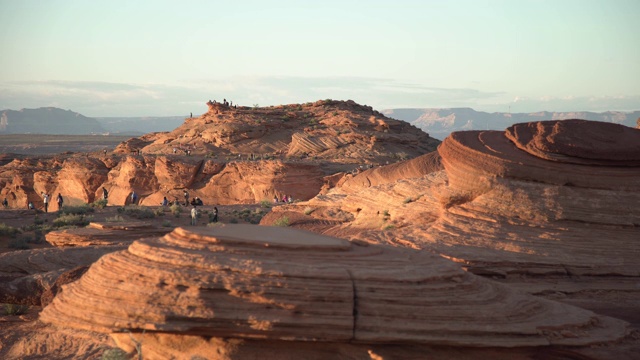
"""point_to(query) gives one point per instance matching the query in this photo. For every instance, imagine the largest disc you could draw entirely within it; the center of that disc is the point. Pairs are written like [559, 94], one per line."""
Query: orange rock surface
[270, 283]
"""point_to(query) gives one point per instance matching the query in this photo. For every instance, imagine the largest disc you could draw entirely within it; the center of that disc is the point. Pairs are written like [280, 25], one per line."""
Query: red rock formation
[116, 233]
[269, 283]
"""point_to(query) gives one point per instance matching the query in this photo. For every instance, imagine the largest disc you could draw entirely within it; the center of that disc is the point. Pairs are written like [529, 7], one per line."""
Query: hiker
[105, 193]
[30, 205]
[105, 151]
[285, 199]
[60, 201]
[290, 198]
[275, 199]
[199, 201]
[190, 115]
[5, 203]
[134, 197]
[165, 202]
[194, 215]
[186, 198]
[214, 217]
[45, 198]
[176, 202]
[193, 202]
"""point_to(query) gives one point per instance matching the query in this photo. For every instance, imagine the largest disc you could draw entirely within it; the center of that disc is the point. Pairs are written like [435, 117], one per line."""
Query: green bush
[77, 210]
[115, 354]
[6, 230]
[71, 220]
[15, 309]
[139, 212]
[166, 223]
[159, 211]
[100, 204]
[176, 210]
[265, 204]
[115, 218]
[283, 221]
[407, 200]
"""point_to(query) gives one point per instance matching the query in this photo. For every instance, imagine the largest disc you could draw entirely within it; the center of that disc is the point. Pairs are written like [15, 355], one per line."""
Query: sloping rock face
[276, 284]
[334, 131]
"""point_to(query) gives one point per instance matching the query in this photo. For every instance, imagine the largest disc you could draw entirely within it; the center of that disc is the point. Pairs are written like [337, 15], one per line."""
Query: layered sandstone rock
[334, 131]
[269, 283]
[104, 233]
[25, 275]
[573, 210]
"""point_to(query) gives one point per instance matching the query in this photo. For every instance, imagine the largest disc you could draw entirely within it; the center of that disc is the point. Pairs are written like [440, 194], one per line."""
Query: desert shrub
[6, 230]
[308, 210]
[214, 224]
[71, 220]
[176, 210]
[386, 213]
[407, 200]
[100, 204]
[114, 218]
[233, 221]
[38, 221]
[283, 221]
[388, 227]
[18, 244]
[166, 223]
[402, 155]
[77, 210]
[15, 309]
[158, 211]
[265, 204]
[115, 354]
[139, 212]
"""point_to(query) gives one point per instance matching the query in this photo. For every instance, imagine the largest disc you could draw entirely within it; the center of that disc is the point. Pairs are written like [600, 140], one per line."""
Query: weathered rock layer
[284, 284]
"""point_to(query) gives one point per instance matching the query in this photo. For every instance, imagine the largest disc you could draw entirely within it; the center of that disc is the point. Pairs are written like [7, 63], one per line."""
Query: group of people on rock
[287, 199]
[225, 103]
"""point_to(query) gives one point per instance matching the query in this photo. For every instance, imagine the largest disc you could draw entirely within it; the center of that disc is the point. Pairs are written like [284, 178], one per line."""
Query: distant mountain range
[55, 121]
[439, 123]
[48, 120]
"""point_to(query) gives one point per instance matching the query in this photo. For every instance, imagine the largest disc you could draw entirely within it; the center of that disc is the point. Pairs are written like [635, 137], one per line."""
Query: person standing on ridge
[134, 197]
[186, 198]
[105, 193]
[45, 198]
[60, 201]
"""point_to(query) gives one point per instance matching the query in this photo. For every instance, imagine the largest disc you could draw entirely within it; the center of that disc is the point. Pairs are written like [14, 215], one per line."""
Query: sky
[166, 58]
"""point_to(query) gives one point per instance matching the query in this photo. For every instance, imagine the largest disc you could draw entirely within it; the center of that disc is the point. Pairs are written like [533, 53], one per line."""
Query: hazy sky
[136, 58]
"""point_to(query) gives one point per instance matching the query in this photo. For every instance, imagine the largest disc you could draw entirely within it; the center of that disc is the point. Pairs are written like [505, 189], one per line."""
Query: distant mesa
[48, 120]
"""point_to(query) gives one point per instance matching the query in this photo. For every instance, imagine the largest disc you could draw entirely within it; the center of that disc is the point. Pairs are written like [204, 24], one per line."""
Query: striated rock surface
[334, 131]
[566, 215]
[564, 228]
[269, 283]
[104, 233]
[26, 274]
